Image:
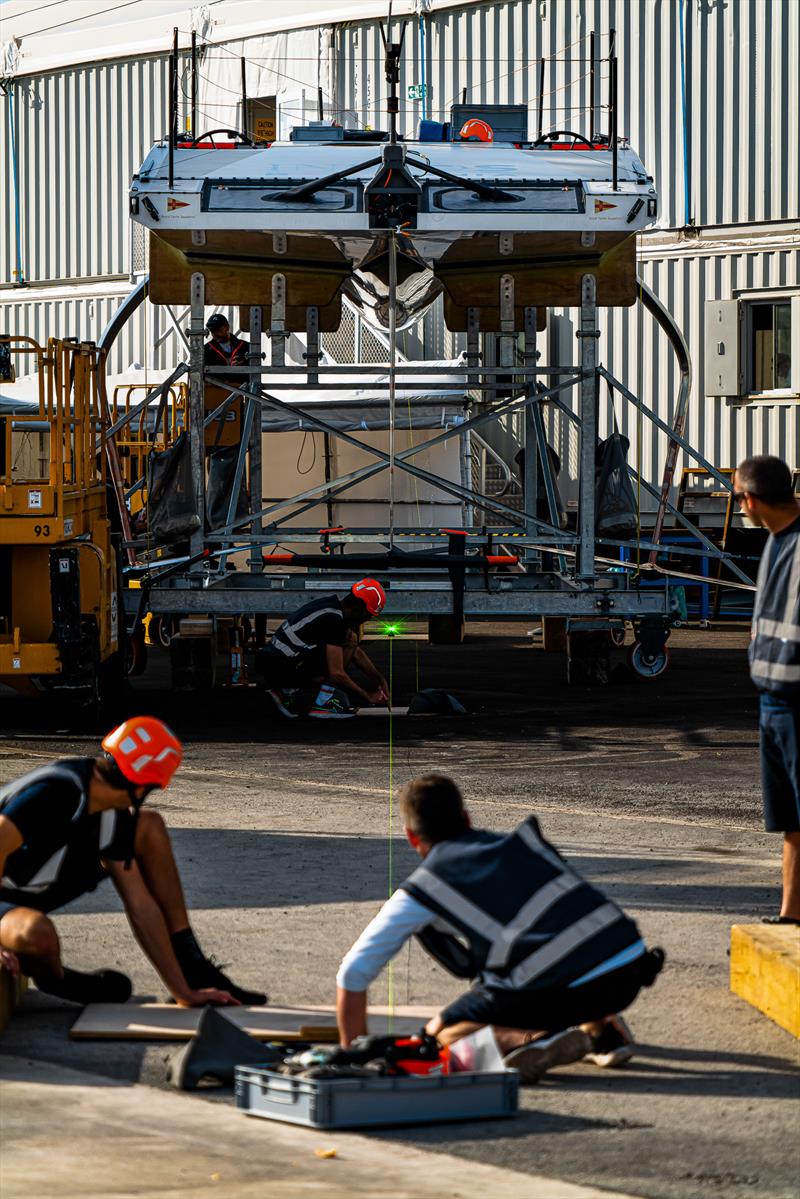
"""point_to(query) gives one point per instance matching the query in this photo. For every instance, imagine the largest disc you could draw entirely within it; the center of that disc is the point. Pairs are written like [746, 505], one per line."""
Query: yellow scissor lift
[60, 624]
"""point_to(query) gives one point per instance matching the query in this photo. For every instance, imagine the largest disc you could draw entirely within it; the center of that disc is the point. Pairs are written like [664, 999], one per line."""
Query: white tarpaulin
[421, 401]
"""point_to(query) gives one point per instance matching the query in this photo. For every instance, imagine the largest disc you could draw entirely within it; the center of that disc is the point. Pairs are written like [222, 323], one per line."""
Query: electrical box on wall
[723, 348]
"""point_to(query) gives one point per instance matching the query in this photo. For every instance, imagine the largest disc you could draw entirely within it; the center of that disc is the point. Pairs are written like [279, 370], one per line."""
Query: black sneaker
[282, 701]
[204, 972]
[559, 1049]
[101, 986]
[613, 1046]
[332, 709]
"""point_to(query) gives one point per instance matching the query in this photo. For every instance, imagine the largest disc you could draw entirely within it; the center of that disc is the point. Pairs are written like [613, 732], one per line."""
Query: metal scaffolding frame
[558, 572]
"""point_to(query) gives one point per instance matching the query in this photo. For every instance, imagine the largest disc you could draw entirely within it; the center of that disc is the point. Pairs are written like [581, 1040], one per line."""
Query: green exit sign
[417, 91]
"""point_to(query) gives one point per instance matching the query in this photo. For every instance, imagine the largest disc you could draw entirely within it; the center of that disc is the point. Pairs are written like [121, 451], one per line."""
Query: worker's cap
[475, 130]
[145, 750]
[217, 321]
[371, 594]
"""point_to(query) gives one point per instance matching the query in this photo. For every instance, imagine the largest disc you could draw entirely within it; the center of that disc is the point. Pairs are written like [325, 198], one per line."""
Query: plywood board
[383, 711]
[168, 1022]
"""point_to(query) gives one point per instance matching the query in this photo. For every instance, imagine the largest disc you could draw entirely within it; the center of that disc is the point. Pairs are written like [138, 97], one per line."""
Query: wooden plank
[168, 1022]
[765, 970]
[383, 711]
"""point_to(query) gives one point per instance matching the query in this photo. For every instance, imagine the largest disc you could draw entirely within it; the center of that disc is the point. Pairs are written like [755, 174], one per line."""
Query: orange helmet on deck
[371, 594]
[476, 130]
[145, 751]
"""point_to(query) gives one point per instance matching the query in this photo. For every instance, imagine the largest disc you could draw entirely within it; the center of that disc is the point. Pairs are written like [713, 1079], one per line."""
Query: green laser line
[391, 809]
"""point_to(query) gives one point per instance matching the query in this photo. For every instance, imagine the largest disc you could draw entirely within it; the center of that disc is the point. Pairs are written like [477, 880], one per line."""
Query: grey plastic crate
[364, 1102]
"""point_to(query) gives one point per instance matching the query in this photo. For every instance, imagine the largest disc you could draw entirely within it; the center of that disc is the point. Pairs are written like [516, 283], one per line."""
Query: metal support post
[392, 365]
[197, 412]
[312, 343]
[256, 499]
[507, 331]
[465, 447]
[277, 326]
[588, 335]
[530, 480]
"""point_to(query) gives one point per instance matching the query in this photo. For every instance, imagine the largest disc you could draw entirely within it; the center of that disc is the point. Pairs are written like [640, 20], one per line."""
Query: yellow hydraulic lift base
[60, 622]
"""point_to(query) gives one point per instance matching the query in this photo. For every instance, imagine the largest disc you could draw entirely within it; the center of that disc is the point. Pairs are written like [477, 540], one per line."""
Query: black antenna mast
[392, 66]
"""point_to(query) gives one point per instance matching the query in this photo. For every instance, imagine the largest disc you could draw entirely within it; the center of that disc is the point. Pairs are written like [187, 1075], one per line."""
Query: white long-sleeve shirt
[402, 916]
[383, 938]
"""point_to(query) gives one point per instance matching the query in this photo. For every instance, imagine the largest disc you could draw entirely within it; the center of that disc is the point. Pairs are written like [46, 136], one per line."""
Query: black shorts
[557, 1008]
[779, 728]
[283, 673]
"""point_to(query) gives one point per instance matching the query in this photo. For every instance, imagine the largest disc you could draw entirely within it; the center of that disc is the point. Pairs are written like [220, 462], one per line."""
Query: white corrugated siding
[84, 316]
[742, 83]
[81, 135]
[636, 352]
[83, 131]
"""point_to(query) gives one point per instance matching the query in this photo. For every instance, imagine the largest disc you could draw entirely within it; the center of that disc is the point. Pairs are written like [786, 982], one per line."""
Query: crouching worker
[66, 827]
[553, 959]
[315, 650]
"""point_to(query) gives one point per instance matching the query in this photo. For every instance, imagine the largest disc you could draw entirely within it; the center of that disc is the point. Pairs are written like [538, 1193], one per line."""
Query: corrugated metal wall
[81, 134]
[636, 352]
[85, 316]
[742, 86]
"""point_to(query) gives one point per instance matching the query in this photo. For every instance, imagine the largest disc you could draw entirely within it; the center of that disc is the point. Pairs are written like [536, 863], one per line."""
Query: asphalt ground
[282, 831]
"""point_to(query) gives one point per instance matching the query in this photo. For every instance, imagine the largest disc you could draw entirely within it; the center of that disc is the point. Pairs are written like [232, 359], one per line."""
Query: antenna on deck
[245, 129]
[173, 103]
[392, 66]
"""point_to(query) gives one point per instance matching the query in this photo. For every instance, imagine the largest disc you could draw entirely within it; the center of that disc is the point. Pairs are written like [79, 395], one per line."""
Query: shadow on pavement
[236, 868]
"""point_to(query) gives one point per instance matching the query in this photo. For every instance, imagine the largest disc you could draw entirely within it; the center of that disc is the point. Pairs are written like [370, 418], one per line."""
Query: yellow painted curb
[765, 970]
[11, 991]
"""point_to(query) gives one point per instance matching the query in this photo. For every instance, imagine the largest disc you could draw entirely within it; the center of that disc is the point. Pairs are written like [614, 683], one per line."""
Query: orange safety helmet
[145, 750]
[371, 594]
[475, 130]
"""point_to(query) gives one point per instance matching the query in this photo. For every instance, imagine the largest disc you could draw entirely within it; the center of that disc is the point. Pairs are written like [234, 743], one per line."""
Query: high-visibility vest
[530, 922]
[775, 647]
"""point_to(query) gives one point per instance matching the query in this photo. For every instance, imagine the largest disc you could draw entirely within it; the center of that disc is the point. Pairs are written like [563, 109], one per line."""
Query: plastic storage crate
[364, 1102]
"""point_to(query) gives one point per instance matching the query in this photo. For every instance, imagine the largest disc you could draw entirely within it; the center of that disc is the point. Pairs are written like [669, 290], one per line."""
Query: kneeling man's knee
[30, 933]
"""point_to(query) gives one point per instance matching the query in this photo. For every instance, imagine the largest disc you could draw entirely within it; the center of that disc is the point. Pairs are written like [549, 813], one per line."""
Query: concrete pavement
[281, 833]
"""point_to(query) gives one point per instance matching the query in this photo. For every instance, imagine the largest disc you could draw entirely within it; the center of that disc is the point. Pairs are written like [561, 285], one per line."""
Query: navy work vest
[529, 920]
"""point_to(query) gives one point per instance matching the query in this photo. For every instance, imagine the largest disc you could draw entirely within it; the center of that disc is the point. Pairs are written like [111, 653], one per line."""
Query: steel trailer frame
[201, 583]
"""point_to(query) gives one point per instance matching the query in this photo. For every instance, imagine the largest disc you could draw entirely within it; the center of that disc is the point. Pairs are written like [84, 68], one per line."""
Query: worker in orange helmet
[66, 827]
[476, 130]
[306, 665]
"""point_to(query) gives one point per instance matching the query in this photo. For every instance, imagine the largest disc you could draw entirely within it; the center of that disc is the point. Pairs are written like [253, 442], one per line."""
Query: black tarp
[171, 510]
[221, 476]
[615, 503]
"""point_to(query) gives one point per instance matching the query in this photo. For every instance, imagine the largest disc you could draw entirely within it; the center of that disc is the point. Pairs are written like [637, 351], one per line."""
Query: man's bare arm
[150, 930]
[364, 663]
[334, 666]
[351, 1015]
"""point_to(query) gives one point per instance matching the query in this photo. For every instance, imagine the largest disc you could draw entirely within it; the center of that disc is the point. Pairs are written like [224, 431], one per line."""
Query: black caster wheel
[647, 665]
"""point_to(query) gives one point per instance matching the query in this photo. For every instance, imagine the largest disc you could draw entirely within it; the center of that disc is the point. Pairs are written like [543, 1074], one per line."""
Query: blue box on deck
[432, 131]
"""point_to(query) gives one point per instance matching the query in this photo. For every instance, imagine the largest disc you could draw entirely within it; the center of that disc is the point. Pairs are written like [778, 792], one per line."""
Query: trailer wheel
[135, 654]
[647, 665]
[164, 631]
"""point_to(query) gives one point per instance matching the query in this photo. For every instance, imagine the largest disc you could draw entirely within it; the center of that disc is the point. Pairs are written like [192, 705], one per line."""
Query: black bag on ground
[221, 477]
[435, 701]
[171, 512]
[615, 503]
